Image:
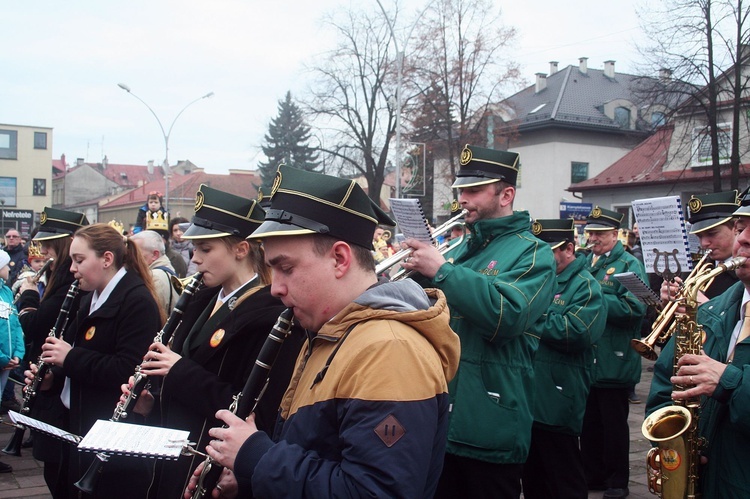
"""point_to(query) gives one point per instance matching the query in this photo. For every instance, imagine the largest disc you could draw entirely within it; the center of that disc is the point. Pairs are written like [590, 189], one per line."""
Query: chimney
[79, 161]
[62, 160]
[105, 162]
[665, 74]
[150, 167]
[609, 69]
[583, 65]
[541, 82]
[552, 67]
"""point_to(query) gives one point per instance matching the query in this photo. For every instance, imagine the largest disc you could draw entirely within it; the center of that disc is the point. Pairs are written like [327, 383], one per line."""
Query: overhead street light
[165, 135]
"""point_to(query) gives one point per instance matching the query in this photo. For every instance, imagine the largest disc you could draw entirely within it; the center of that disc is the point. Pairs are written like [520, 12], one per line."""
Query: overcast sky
[61, 62]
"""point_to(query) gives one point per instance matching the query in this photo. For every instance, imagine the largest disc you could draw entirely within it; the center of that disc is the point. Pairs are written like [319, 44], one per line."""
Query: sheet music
[134, 440]
[640, 289]
[411, 219]
[45, 428]
[661, 225]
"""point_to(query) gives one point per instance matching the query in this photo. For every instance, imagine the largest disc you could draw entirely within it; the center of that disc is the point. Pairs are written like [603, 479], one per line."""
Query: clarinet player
[113, 327]
[37, 316]
[221, 333]
[720, 376]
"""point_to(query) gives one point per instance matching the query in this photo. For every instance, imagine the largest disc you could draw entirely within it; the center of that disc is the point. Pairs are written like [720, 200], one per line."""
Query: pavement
[27, 481]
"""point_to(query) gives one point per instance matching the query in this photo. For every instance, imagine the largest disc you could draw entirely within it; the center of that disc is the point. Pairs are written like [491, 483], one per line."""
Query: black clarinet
[88, 481]
[29, 396]
[247, 400]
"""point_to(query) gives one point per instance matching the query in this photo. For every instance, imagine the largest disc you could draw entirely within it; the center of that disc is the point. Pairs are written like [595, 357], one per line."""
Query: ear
[108, 258]
[343, 257]
[241, 250]
[507, 195]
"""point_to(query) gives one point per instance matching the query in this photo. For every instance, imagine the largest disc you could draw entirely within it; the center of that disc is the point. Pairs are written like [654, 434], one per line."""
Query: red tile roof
[184, 187]
[645, 165]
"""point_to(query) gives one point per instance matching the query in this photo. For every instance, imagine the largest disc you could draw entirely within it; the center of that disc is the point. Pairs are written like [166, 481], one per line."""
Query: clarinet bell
[13, 448]
[87, 483]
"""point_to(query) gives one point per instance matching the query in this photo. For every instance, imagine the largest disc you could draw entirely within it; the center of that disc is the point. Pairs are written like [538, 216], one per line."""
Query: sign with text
[576, 211]
[21, 220]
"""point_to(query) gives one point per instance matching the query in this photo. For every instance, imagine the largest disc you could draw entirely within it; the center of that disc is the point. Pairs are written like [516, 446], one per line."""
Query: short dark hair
[363, 256]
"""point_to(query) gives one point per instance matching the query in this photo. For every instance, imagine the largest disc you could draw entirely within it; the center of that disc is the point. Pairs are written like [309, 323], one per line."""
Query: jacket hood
[424, 310]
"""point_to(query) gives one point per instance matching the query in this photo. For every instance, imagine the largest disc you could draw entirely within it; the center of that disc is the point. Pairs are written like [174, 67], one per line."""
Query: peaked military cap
[304, 202]
[709, 210]
[220, 214]
[479, 166]
[556, 232]
[744, 209]
[55, 224]
[601, 219]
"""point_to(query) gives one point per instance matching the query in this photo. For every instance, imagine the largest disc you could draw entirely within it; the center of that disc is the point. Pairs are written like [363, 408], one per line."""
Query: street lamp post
[165, 135]
[399, 83]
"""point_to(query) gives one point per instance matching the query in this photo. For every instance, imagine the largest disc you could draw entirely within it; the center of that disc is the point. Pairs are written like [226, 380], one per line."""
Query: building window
[8, 144]
[40, 187]
[40, 140]
[658, 119]
[8, 191]
[702, 144]
[578, 172]
[622, 117]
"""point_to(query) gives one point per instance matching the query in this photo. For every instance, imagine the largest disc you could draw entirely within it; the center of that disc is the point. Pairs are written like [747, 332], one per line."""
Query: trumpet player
[563, 368]
[498, 284]
[711, 219]
[605, 437]
[720, 376]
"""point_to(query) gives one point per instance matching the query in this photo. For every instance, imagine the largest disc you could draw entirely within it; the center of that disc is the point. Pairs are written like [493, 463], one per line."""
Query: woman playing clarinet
[115, 323]
[37, 316]
[221, 333]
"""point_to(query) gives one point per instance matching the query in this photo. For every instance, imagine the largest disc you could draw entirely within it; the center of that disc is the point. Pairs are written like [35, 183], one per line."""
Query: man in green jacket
[605, 439]
[562, 369]
[720, 376]
[497, 283]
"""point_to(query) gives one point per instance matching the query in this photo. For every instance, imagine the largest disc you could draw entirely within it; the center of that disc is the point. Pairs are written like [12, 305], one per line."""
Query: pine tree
[287, 142]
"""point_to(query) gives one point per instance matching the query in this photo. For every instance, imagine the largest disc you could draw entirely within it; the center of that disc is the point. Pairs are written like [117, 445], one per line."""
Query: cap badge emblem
[43, 218]
[276, 183]
[536, 228]
[466, 156]
[199, 197]
[596, 213]
[695, 205]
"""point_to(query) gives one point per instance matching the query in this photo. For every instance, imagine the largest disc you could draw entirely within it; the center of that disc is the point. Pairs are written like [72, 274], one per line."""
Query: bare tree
[692, 43]
[459, 72]
[352, 97]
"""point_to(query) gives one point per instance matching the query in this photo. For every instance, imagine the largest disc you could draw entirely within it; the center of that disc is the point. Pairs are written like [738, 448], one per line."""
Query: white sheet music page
[661, 224]
[410, 218]
[48, 429]
[134, 440]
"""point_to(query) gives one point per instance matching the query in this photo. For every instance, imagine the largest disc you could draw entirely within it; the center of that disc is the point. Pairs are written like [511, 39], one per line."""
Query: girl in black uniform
[115, 324]
[37, 316]
[221, 334]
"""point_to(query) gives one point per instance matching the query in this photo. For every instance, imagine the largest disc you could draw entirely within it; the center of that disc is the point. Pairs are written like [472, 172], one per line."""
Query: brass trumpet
[445, 228]
[663, 327]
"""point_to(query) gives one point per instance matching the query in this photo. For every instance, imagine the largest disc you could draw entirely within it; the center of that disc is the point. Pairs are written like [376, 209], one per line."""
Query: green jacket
[565, 357]
[617, 365]
[499, 284]
[725, 417]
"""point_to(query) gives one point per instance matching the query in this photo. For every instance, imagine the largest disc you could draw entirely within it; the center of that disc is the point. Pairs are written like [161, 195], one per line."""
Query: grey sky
[61, 62]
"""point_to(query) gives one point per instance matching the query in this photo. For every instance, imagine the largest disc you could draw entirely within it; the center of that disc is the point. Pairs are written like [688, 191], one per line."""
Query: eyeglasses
[12, 237]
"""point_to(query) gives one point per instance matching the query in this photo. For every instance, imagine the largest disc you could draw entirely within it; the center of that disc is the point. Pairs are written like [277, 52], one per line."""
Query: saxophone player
[718, 376]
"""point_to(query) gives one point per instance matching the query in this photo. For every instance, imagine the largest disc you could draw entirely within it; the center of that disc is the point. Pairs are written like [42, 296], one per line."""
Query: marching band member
[113, 327]
[605, 438]
[221, 333]
[498, 284]
[37, 316]
[563, 368]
